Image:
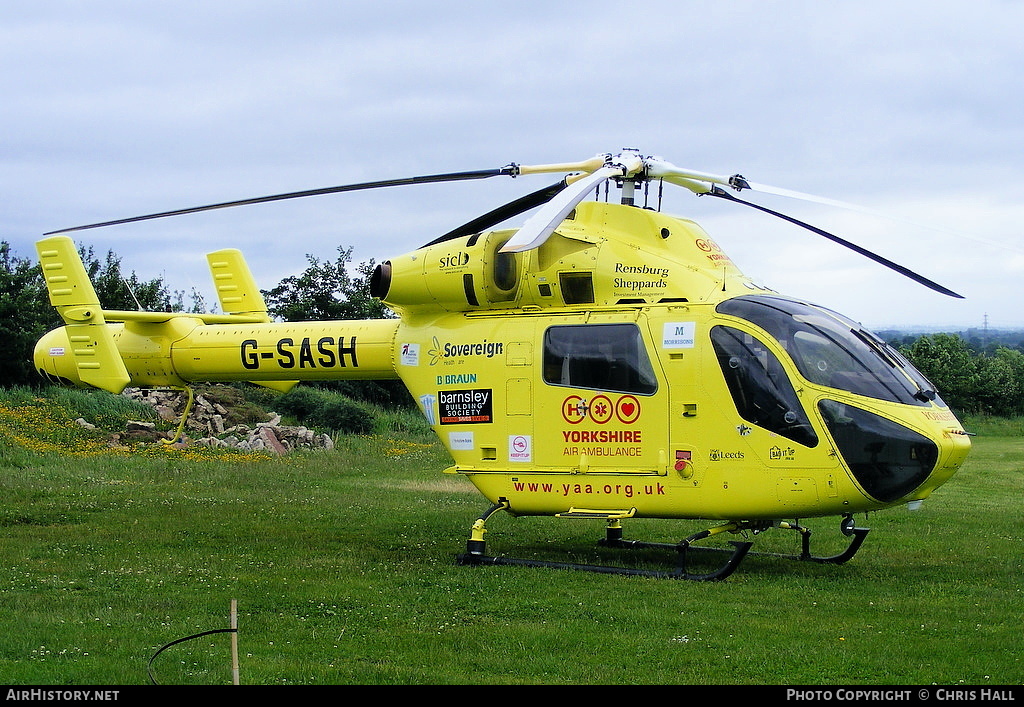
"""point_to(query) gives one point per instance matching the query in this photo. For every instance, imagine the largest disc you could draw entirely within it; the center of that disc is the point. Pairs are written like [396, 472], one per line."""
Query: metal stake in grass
[234, 641]
[233, 630]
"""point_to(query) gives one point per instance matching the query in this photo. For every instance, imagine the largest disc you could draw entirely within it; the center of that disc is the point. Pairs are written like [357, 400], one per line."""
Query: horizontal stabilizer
[279, 386]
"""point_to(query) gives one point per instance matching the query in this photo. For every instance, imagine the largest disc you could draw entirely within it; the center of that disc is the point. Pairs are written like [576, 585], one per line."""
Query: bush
[327, 410]
[345, 416]
[386, 393]
[98, 407]
[301, 402]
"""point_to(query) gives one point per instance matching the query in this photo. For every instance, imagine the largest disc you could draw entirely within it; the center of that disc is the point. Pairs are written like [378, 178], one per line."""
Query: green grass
[342, 565]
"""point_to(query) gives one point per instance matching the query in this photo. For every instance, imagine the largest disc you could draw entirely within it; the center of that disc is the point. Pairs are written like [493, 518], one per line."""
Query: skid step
[588, 513]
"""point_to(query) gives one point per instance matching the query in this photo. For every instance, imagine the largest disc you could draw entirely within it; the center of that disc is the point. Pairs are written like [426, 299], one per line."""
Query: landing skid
[858, 535]
[476, 553]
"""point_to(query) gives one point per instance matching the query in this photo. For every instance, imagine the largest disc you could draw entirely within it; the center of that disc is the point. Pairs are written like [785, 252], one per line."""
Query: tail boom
[114, 349]
[185, 350]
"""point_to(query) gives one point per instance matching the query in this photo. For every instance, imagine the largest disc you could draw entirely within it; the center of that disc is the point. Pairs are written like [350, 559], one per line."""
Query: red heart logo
[627, 409]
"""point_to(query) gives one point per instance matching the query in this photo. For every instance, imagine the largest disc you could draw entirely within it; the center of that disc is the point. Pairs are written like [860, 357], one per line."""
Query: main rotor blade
[502, 213]
[778, 191]
[789, 193]
[594, 163]
[722, 194]
[691, 179]
[698, 182]
[426, 179]
[543, 223]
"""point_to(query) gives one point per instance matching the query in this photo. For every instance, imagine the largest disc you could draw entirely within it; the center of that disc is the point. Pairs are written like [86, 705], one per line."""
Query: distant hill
[979, 338]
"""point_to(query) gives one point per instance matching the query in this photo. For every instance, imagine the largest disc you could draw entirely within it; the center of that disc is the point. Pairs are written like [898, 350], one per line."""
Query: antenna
[132, 293]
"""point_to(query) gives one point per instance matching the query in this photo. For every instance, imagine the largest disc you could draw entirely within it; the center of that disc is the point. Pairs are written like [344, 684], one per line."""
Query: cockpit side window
[608, 357]
[760, 387]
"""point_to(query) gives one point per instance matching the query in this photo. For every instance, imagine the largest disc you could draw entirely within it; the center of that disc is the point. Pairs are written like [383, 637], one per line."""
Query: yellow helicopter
[603, 361]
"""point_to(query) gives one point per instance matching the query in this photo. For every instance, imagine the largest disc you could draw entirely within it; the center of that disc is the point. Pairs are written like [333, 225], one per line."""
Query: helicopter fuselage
[625, 368]
[632, 412]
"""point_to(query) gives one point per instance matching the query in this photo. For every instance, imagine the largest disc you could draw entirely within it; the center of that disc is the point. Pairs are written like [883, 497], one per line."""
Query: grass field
[342, 566]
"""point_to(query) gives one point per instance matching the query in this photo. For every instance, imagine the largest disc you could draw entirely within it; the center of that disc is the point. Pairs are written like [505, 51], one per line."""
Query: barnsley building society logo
[464, 407]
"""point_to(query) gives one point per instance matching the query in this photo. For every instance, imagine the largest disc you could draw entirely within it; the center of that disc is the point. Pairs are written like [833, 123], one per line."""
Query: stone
[208, 421]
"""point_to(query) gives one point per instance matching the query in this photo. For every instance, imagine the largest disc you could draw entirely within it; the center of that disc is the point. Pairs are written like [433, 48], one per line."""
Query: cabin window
[608, 357]
[577, 287]
[760, 387]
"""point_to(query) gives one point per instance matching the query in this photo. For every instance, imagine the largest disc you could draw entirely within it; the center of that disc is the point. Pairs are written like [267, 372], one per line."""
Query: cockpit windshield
[831, 350]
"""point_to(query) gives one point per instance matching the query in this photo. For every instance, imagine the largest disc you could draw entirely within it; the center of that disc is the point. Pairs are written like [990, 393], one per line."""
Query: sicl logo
[454, 260]
[600, 409]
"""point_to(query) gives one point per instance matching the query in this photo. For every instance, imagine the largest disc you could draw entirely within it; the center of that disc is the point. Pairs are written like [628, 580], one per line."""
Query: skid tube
[856, 534]
[476, 554]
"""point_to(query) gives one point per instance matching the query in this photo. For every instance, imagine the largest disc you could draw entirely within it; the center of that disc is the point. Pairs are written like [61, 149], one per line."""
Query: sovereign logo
[483, 348]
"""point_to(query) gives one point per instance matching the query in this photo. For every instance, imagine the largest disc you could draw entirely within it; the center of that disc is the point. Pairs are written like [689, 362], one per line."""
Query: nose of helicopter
[891, 461]
[954, 445]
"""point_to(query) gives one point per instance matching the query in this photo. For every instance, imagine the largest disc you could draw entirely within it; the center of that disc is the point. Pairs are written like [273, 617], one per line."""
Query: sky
[913, 109]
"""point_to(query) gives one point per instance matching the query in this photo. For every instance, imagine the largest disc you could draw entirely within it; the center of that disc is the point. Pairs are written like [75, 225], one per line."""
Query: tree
[326, 291]
[947, 361]
[971, 382]
[25, 315]
[118, 291]
[1003, 382]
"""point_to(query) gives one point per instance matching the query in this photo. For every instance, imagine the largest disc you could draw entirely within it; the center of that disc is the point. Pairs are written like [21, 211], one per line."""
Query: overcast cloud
[114, 109]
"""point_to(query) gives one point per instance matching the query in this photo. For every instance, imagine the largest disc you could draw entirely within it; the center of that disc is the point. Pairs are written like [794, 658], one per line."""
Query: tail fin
[239, 295]
[236, 287]
[91, 341]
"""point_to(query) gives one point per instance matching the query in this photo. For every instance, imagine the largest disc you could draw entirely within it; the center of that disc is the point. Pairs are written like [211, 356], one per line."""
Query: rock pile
[207, 425]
